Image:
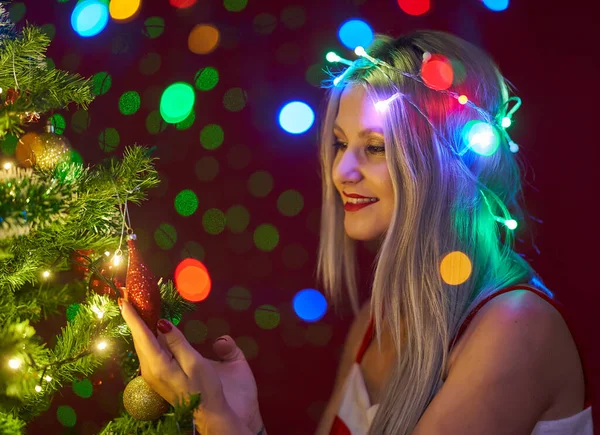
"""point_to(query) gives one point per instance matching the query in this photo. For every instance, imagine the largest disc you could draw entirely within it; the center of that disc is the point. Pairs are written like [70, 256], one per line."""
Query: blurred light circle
[182, 4]
[192, 280]
[203, 39]
[124, 10]
[296, 117]
[176, 102]
[89, 17]
[354, 33]
[455, 268]
[310, 305]
[496, 5]
[437, 72]
[414, 7]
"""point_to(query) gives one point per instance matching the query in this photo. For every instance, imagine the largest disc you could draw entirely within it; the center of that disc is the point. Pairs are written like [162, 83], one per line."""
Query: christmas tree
[62, 245]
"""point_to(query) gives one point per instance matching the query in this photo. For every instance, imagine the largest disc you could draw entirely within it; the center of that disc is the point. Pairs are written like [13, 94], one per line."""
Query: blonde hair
[438, 209]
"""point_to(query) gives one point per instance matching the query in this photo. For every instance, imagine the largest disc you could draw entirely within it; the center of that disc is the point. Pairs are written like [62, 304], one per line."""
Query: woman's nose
[348, 168]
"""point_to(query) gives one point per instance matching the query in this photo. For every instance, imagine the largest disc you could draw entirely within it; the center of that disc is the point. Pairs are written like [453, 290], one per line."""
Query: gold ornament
[142, 402]
[45, 150]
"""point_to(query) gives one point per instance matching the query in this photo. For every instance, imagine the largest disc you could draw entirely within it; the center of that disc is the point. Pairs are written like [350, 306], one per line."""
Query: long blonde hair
[439, 209]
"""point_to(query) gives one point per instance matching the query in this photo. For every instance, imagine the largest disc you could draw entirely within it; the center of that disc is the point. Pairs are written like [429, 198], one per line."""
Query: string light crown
[482, 136]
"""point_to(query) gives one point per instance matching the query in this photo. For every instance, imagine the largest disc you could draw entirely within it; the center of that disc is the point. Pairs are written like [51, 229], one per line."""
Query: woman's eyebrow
[364, 132]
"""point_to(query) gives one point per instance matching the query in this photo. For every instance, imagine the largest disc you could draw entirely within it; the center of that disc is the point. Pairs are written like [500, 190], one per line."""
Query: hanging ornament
[142, 402]
[30, 117]
[142, 287]
[45, 150]
[142, 291]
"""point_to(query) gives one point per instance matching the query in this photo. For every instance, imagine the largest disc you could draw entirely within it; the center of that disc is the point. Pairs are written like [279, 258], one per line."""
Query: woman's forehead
[357, 110]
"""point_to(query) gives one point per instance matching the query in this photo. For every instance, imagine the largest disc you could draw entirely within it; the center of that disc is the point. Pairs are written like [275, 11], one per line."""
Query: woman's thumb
[227, 350]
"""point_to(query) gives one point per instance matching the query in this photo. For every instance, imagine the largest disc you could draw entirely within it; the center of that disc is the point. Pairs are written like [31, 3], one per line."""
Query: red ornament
[142, 288]
[11, 96]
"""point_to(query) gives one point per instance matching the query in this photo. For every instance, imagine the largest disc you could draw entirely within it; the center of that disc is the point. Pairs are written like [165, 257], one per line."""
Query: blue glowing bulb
[496, 5]
[89, 17]
[296, 117]
[354, 33]
[481, 137]
[310, 305]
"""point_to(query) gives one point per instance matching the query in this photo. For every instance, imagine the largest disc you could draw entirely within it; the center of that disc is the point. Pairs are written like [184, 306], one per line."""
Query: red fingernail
[120, 300]
[164, 326]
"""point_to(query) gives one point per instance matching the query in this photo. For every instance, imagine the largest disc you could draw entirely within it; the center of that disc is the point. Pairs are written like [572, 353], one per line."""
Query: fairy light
[463, 99]
[117, 259]
[98, 311]
[46, 274]
[333, 57]
[381, 106]
[102, 345]
[8, 166]
[107, 253]
[47, 378]
[38, 389]
[511, 224]
[506, 122]
[14, 363]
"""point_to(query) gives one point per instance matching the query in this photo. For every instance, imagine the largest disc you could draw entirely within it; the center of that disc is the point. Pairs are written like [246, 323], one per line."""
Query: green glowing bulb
[332, 57]
[506, 122]
[511, 224]
[176, 102]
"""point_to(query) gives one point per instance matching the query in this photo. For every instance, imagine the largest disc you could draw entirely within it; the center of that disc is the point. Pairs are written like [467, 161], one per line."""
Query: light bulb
[102, 345]
[48, 378]
[46, 274]
[107, 253]
[38, 388]
[332, 57]
[14, 363]
[463, 99]
[8, 165]
[117, 259]
[360, 51]
[506, 122]
[511, 224]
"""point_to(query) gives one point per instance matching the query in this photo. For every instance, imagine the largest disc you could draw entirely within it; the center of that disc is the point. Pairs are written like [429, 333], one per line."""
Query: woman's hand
[174, 369]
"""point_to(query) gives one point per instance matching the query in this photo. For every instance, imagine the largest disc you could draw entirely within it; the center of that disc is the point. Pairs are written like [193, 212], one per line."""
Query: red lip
[355, 207]
[355, 195]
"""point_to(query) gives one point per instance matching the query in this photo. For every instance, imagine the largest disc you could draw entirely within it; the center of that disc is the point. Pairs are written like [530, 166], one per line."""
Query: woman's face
[360, 171]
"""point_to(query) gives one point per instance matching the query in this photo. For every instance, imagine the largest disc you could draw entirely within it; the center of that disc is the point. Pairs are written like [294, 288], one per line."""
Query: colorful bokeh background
[241, 195]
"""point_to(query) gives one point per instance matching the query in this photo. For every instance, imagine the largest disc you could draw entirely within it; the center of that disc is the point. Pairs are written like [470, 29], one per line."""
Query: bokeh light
[89, 17]
[481, 137]
[319, 334]
[267, 317]
[195, 331]
[239, 156]
[212, 136]
[310, 305]
[16, 11]
[264, 23]
[124, 10]
[239, 298]
[355, 32]
[80, 121]
[237, 218]
[213, 221]
[83, 388]
[155, 123]
[293, 17]
[192, 280]
[266, 237]
[101, 83]
[455, 268]
[150, 63]
[260, 184]
[154, 27]
[165, 236]
[193, 250]
[235, 5]
[203, 39]
[66, 416]
[109, 139]
[296, 117]
[207, 168]
[176, 102]
[414, 7]
[186, 202]
[8, 144]
[437, 72]
[496, 5]
[129, 103]
[290, 203]
[182, 4]
[206, 79]
[235, 99]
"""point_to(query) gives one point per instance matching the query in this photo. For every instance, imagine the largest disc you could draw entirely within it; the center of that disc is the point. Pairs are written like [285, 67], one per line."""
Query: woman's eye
[339, 145]
[376, 149]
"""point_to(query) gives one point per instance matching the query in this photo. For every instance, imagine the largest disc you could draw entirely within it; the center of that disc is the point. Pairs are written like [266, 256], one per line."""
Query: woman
[458, 351]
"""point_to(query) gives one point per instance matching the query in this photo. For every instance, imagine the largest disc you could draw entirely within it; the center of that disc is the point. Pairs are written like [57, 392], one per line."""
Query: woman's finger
[144, 340]
[187, 357]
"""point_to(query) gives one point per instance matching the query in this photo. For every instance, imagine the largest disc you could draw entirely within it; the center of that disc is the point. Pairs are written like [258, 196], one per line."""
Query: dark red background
[544, 48]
